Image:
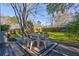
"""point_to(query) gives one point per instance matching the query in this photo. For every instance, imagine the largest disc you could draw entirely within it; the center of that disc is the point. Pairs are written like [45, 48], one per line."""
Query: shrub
[4, 27]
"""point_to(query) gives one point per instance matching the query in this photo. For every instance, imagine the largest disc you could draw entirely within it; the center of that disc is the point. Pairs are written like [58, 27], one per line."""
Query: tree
[54, 8]
[73, 27]
[22, 12]
[4, 27]
[30, 26]
[39, 23]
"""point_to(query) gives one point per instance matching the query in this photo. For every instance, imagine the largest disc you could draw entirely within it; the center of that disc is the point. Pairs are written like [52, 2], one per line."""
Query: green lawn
[15, 35]
[54, 35]
[62, 36]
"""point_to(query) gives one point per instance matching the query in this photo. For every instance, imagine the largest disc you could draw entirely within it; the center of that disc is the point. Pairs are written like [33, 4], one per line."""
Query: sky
[41, 16]
[6, 10]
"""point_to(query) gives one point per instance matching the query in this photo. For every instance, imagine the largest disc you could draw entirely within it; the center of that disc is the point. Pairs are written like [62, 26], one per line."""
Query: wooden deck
[17, 49]
[60, 50]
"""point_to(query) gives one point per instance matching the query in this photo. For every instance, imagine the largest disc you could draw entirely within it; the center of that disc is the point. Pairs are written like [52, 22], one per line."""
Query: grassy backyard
[62, 36]
[15, 35]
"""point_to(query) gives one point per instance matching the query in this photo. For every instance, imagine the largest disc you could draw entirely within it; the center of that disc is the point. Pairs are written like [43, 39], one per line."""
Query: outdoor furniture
[45, 51]
[44, 39]
[42, 52]
[35, 37]
[30, 39]
[27, 40]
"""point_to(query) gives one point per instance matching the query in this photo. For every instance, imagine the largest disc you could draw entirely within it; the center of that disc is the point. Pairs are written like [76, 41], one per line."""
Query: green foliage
[55, 7]
[4, 27]
[39, 22]
[55, 29]
[30, 26]
[73, 27]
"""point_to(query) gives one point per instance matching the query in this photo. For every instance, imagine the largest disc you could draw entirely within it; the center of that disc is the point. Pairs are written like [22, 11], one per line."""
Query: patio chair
[38, 38]
[33, 40]
[26, 40]
[44, 39]
[46, 50]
